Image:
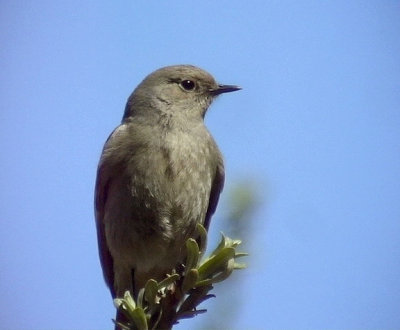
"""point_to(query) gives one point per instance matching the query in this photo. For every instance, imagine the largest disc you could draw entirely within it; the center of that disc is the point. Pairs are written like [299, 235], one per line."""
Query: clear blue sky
[317, 125]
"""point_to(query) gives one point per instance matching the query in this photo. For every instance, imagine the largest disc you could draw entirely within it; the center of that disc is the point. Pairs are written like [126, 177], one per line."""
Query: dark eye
[188, 85]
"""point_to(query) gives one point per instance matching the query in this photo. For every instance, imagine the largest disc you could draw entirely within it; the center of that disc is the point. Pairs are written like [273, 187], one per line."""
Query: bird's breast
[160, 195]
[170, 183]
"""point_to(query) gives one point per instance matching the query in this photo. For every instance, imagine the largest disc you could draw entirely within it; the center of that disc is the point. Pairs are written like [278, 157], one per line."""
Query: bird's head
[180, 90]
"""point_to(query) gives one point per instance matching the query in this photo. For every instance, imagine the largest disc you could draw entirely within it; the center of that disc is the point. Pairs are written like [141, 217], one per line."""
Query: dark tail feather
[120, 318]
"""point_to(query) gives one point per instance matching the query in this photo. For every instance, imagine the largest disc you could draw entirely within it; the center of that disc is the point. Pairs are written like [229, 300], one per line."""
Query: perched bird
[160, 174]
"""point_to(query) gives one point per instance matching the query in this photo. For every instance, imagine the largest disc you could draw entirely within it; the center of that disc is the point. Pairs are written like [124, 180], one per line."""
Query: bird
[160, 173]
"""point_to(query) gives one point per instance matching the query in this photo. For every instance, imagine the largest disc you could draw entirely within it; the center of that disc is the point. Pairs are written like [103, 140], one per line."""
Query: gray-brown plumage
[160, 173]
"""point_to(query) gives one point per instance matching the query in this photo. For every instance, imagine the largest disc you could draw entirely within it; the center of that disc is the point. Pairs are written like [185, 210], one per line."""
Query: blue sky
[316, 126]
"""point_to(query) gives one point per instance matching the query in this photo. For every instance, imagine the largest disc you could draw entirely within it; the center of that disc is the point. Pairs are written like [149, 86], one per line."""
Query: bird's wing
[216, 188]
[103, 182]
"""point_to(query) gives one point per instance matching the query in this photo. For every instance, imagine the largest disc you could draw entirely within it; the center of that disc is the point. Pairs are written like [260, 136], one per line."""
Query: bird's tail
[120, 318]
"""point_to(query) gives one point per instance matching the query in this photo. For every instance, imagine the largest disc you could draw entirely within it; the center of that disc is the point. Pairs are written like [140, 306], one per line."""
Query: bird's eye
[188, 85]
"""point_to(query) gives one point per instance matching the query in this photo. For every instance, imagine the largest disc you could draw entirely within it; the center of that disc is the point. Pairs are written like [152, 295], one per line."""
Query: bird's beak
[224, 89]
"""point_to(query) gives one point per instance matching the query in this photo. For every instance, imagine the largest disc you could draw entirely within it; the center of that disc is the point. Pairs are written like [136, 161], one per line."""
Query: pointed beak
[224, 89]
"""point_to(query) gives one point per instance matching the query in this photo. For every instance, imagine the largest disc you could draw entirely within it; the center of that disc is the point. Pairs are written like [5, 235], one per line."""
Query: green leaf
[202, 238]
[190, 280]
[139, 317]
[128, 306]
[129, 299]
[220, 246]
[219, 277]
[192, 257]
[239, 266]
[168, 281]
[216, 262]
[139, 302]
[150, 292]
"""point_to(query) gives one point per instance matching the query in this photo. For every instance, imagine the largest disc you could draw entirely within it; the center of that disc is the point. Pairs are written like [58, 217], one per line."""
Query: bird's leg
[133, 282]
